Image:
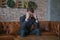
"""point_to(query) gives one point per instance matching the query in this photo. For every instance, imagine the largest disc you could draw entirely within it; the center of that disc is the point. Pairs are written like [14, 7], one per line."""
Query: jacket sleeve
[22, 20]
[23, 23]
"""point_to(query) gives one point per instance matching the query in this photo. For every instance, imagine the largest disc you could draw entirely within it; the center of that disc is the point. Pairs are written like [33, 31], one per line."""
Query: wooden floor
[44, 36]
[38, 38]
[30, 37]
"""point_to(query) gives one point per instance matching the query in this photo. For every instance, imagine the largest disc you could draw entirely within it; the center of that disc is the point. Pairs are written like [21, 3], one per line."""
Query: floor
[30, 37]
[44, 36]
[38, 38]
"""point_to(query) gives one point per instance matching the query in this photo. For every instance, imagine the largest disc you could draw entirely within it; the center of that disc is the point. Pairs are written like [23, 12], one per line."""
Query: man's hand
[35, 16]
[27, 16]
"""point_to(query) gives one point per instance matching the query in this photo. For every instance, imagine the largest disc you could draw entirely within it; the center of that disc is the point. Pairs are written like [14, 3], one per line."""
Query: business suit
[26, 26]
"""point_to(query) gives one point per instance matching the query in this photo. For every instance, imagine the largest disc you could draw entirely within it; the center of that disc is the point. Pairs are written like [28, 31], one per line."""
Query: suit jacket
[22, 19]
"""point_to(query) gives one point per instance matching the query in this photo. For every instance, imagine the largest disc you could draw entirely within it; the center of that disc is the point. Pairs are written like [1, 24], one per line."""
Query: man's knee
[37, 32]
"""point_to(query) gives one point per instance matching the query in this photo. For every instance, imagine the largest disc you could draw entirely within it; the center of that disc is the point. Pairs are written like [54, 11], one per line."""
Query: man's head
[30, 10]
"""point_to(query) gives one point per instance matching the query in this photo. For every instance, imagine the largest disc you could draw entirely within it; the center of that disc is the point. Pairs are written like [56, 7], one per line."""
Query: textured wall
[9, 14]
[55, 10]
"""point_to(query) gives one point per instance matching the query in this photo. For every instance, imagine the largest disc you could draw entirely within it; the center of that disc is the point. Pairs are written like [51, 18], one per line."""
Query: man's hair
[30, 9]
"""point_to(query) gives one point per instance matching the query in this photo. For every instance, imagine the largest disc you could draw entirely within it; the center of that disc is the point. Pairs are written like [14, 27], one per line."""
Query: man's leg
[25, 28]
[22, 31]
[36, 31]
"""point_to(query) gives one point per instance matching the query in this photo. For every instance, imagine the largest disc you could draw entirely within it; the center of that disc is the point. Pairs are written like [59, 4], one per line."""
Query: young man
[26, 22]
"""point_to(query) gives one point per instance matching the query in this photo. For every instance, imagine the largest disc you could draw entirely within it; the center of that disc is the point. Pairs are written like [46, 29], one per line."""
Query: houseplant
[24, 4]
[11, 3]
[32, 4]
[29, 4]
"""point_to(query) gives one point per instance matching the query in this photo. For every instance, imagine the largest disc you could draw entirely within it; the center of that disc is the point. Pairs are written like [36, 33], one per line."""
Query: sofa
[46, 27]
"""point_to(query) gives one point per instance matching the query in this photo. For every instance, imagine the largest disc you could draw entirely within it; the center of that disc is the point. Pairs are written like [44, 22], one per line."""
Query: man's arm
[23, 22]
[24, 19]
[35, 16]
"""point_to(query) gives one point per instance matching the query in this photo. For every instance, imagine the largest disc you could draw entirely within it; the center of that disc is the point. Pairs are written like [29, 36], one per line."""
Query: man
[26, 22]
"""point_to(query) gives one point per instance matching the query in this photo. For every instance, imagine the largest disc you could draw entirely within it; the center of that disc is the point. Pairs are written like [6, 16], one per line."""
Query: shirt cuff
[26, 20]
[36, 21]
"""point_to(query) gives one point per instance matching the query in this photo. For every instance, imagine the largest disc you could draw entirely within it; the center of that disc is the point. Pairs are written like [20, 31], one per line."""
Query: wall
[55, 10]
[13, 14]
